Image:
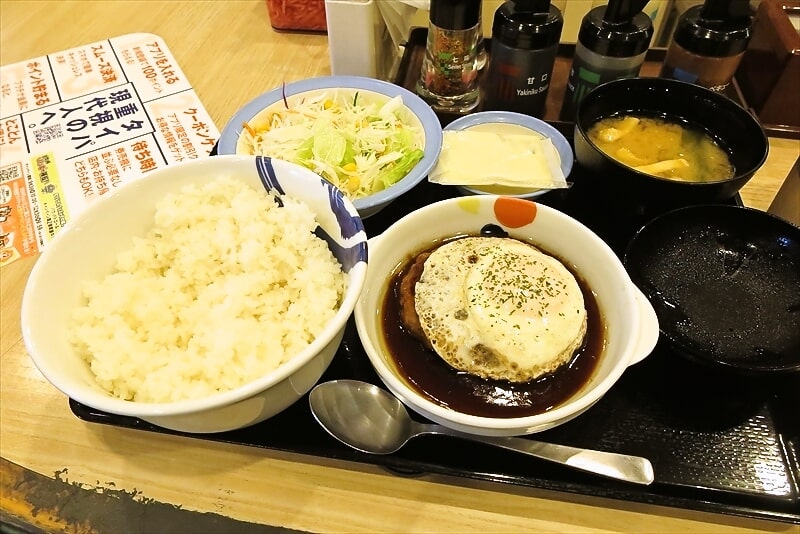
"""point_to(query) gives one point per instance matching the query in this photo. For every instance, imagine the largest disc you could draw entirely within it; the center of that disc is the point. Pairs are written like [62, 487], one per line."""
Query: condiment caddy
[410, 63]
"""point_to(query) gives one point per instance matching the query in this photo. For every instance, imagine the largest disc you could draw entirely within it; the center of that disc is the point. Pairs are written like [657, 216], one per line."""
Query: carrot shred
[249, 129]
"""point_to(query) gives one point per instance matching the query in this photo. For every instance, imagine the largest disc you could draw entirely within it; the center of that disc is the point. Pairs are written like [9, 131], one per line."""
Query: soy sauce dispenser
[525, 37]
[612, 42]
[708, 43]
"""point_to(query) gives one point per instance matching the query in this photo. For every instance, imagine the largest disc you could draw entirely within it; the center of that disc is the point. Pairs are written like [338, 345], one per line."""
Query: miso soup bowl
[630, 321]
[735, 129]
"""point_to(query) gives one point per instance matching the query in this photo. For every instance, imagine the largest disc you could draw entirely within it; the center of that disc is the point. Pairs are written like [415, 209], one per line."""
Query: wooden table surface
[230, 54]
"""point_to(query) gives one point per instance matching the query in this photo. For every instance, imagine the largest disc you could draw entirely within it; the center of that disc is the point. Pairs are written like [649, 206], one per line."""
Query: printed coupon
[75, 125]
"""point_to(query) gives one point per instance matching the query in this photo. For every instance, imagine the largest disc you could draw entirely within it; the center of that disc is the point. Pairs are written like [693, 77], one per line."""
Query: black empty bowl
[725, 284]
[736, 130]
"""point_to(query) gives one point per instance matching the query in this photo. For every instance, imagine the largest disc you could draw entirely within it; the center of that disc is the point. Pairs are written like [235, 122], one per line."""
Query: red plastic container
[297, 15]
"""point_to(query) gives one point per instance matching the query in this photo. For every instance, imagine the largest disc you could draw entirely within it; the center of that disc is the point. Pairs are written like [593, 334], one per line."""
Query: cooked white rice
[224, 288]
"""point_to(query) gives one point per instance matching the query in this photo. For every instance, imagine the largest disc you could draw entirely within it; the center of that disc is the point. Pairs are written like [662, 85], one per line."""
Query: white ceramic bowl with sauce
[631, 326]
[87, 247]
[415, 111]
[512, 122]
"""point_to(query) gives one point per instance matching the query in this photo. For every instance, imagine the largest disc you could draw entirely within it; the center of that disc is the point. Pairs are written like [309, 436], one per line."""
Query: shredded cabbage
[362, 148]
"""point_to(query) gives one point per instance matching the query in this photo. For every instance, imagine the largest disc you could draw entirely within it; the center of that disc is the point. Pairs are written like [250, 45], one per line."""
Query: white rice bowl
[225, 287]
[206, 351]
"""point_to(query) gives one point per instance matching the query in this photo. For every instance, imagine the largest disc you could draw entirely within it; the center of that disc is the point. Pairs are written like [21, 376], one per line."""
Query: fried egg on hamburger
[500, 308]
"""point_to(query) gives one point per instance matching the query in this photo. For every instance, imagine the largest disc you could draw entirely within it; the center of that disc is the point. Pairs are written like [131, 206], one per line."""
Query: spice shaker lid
[455, 14]
[708, 31]
[530, 25]
[619, 29]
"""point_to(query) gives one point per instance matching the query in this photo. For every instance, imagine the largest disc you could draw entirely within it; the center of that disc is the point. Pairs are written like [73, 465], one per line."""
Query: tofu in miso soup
[662, 148]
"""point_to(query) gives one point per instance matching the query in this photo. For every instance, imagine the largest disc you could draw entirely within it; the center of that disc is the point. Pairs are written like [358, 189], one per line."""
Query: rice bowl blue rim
[348, 246]
[427, 117]
[560, 142]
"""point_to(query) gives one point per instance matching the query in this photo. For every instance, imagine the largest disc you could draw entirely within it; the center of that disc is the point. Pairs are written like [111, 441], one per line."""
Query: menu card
[77, 124]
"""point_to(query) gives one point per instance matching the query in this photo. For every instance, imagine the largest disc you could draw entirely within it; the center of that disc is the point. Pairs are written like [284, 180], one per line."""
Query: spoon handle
[618, 466]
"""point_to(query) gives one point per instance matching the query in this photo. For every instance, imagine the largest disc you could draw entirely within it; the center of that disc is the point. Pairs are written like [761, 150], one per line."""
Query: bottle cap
[528, 25]
[706, 33]
[455, 14]
[607, 32]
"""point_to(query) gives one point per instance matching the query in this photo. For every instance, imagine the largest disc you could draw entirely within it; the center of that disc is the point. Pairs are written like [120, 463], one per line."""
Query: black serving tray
[718, 443]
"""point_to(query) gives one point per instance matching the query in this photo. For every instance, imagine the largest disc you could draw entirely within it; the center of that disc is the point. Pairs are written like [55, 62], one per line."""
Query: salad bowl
[372, 139]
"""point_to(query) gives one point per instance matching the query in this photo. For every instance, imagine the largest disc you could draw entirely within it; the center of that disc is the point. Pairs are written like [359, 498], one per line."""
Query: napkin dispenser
[359, 38]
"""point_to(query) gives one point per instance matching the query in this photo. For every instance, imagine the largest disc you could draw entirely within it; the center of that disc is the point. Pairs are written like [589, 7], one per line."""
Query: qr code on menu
[10, 172]
[48, 133]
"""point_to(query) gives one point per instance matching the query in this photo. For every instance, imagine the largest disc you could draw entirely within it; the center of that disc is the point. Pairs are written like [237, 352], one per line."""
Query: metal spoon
[371, 419]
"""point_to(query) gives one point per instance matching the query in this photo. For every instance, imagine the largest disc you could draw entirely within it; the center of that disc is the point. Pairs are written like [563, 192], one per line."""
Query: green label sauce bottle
[612, 43]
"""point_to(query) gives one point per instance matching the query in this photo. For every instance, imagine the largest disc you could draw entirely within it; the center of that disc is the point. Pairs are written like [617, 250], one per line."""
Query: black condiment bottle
[708, 43]
[612, 43]
[449, 76]
[525, 37]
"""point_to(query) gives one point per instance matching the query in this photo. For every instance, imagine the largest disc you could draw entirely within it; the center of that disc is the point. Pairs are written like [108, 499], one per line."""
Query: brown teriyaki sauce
[436, 380]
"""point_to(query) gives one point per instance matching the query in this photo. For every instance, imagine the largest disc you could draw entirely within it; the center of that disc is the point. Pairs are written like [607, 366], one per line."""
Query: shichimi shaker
[449, 76]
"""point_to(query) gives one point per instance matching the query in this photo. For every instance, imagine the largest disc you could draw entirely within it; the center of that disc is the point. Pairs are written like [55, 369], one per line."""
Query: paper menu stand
[76, 124]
